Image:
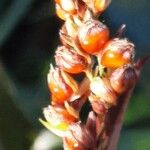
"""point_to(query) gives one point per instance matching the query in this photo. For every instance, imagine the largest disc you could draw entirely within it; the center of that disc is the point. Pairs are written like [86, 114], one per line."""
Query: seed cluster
[107, 69]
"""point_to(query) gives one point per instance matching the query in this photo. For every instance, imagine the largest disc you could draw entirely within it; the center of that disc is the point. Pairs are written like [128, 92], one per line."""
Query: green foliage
[135, 139]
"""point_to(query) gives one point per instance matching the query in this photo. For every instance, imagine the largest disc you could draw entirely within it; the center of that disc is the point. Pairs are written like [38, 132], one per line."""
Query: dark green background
[28, 38]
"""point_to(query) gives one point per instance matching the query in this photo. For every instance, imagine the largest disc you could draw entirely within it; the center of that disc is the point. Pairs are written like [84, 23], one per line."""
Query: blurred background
[28, 39]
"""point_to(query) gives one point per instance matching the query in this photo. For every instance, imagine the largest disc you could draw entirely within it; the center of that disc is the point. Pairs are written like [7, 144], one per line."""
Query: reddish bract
[70, 61]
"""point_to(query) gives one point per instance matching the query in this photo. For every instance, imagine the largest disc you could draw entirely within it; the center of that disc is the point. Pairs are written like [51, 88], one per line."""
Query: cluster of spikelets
[106, 70]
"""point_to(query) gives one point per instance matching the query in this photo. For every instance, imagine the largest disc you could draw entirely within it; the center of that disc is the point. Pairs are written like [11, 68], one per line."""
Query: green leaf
[135, 139]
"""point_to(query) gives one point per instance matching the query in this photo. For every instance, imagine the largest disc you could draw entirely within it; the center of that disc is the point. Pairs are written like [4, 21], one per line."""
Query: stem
[116, 116]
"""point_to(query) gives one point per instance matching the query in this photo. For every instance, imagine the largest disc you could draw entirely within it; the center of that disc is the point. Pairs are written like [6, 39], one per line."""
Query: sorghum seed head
[92, 36]
[97, 6]
[117, 53]
[67, 5]
[101, 5]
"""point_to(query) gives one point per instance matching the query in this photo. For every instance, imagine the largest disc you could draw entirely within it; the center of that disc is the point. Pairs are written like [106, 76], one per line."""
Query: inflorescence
[106, 65]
